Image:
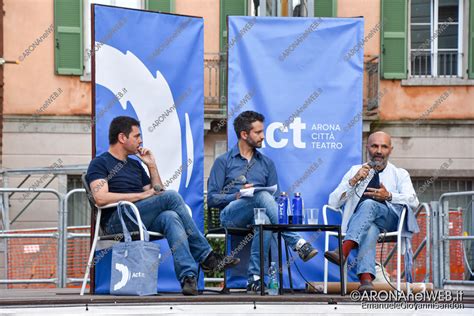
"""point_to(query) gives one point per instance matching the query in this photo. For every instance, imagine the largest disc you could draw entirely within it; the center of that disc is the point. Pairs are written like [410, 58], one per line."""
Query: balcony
[424, 64]
[215, 95]
[215, 87]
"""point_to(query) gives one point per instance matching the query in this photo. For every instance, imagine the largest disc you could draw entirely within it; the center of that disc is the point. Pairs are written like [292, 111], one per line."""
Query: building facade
[419, 83]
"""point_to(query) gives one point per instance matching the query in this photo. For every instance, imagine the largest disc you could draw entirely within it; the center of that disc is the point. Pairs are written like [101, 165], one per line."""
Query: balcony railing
[215, 85]
[423, 64]
[371, 83]
[215, 96]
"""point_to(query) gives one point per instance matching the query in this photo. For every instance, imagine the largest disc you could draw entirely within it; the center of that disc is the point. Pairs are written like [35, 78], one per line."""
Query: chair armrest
[402, 220]
[134, 210]
[327, 207]
[107, 206]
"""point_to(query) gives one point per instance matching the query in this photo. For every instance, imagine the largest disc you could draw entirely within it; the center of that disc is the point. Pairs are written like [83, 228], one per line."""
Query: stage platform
[68, 301]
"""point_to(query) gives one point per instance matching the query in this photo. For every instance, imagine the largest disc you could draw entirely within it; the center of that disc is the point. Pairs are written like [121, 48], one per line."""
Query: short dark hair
[121, 124]
[244, 121]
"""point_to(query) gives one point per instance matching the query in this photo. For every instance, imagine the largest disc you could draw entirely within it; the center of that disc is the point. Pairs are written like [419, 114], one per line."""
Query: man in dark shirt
[114, 176]
[245, 167]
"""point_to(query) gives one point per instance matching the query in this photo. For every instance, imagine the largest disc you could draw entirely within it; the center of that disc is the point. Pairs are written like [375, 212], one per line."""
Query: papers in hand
[249, 192]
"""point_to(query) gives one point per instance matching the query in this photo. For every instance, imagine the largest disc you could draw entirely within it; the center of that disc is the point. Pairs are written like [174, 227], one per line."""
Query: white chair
[98, 231]
[396, 234]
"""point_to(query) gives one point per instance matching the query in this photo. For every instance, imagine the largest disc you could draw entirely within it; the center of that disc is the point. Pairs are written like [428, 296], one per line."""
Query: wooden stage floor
[37, 297]
[24, 297]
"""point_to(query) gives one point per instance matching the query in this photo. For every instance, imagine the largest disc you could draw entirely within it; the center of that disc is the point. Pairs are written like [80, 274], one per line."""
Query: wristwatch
[390, 197]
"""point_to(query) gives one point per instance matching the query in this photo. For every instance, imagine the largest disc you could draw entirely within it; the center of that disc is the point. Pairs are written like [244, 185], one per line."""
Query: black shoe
[254, 287]
[190, 286]
[307, 251]
[333, 256]
[366, 286]
[217, 262]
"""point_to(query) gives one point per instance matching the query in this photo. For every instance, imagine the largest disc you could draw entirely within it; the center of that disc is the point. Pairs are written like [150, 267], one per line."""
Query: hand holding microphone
[362, 174]
[243, 180]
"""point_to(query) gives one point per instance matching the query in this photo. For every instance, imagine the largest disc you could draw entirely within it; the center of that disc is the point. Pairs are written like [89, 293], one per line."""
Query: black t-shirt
[122, 176]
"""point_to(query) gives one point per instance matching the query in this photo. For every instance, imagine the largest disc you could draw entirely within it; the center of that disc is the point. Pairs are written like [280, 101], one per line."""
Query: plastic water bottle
[273, 284]
[297, 206]
[283, 202]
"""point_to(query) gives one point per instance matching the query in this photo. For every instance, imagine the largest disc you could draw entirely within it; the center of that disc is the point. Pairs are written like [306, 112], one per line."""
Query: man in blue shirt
[113, 176]
[245, 167]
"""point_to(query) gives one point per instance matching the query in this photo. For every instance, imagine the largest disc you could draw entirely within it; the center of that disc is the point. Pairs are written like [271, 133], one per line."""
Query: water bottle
[273, 284]
[283, 202]
[297, 206]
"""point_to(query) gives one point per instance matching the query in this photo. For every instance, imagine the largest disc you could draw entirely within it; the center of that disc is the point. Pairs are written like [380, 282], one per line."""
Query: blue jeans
[368, 221]
[166, 213]
[239, 213]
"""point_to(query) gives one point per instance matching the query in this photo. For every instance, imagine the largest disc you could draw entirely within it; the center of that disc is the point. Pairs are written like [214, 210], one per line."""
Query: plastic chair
[394, 236]
[98, 230]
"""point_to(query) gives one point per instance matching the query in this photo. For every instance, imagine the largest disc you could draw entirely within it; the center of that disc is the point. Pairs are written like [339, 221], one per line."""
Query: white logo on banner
[323, 135]
[150, 96]
[125, 276]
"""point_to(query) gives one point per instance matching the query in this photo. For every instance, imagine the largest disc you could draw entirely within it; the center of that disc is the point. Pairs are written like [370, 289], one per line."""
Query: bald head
[380, 137]
[379, 148]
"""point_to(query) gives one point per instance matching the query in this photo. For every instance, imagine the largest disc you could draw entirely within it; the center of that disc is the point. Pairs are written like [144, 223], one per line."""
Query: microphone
[157, 188]
[372, 164]
[242, 179]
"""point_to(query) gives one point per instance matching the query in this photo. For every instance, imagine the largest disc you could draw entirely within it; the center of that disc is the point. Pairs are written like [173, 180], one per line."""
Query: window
[429, 189]
[72, 35]
[294, 8]
[436, 38]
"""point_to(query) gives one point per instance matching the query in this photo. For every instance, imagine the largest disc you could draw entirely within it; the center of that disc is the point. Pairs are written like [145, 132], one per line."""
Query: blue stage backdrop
[149, 66]
[305, 75]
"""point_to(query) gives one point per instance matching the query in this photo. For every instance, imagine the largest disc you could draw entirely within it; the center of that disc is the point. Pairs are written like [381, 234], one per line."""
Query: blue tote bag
[134, 267]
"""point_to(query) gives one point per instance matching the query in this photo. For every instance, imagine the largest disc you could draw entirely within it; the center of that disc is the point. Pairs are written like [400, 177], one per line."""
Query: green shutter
[393, 39]
[325, 8]
[471, 40]
[160, 5]
[68, 39]
[229, 7]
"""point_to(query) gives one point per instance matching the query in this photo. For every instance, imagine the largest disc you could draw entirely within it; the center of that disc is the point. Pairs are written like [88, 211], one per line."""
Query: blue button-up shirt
[231, 171]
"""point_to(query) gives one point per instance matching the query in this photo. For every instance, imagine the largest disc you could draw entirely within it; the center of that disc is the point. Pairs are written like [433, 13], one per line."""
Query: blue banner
[149, 66]
[305, 76]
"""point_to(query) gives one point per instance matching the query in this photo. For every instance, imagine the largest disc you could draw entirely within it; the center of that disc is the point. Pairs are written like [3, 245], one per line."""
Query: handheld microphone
[242, 179]
[372, 164]
[157, 188]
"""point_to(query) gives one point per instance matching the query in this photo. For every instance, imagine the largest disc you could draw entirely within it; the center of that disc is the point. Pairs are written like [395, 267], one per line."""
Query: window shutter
[229, 7]
[68, 39]
[325, 8]
[393, 40]
[160, 5]
[471, 40]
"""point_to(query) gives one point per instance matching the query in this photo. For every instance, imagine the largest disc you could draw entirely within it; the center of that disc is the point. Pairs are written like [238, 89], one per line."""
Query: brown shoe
[365, 286]
[333, 256]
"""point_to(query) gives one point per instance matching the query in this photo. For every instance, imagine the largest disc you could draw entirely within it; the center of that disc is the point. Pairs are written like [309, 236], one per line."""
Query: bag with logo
[134, 269]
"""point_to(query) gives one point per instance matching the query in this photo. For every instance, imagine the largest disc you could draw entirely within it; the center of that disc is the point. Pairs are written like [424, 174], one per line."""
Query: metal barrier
[57, 170]
[68, 235]
[441, 267]
[59, 281]
[426, 242]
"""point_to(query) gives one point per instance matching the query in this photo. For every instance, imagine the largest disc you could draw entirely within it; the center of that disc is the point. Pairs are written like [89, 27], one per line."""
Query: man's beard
[381, 160]
[253, 144]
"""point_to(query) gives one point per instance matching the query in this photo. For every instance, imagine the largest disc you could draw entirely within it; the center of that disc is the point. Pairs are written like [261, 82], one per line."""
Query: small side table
[279, 229]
